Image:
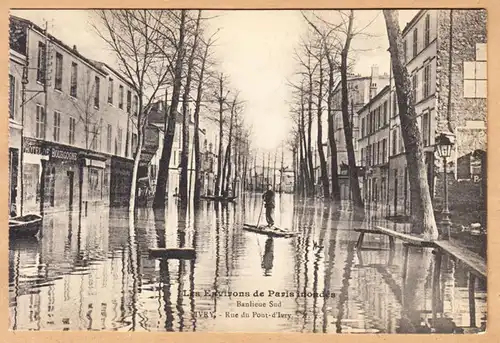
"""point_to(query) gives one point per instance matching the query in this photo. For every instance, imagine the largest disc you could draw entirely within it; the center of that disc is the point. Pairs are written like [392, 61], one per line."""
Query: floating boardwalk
[472, 260]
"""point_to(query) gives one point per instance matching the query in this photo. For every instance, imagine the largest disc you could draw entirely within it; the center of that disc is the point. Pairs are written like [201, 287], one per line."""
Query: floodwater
[95, 273]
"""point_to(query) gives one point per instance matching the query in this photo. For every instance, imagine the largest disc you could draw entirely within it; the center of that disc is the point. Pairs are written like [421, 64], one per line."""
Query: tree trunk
[163, 170]
[141, 124]
[309, 136]
[351, 158]
[197, 154]
[221, 134]
[274, 172]
[186, 121]
[331, 135]
[423, 213]
[322, 160]
[304, 159]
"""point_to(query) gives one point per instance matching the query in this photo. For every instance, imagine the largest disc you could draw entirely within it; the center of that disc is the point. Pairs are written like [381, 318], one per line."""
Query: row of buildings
[437, 83]
[72, 128]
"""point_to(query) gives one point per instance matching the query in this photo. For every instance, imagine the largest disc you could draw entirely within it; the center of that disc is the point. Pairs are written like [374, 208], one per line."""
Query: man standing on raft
[268, 198]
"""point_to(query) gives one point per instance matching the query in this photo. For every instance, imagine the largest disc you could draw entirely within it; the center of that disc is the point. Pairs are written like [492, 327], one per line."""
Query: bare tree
[183, 184]
[204, 55]
[180, 49]
[423, 213]
[221, 97]
[130, 35]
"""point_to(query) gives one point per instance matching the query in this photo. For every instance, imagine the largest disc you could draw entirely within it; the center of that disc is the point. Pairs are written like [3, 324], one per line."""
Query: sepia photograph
[252, 171]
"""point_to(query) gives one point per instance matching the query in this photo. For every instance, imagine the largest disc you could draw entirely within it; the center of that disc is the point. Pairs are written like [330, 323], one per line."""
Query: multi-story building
[360, 90]
[72, 122]
[426, 42]
[16, 67]
[374, 146]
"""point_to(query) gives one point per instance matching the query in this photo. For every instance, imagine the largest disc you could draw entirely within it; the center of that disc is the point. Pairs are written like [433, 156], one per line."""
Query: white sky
[255, 49]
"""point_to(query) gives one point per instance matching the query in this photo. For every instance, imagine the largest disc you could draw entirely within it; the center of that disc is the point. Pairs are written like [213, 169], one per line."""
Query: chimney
[374, 81]
[75, 49]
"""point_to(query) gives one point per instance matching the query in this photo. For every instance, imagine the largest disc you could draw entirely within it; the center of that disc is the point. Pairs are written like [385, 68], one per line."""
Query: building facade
[72, 123]
[360, 90]
[374, 146]
[16, 67]
[426, 42]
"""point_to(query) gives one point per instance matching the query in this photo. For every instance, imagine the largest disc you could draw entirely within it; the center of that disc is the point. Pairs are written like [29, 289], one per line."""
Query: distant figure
[268, 198]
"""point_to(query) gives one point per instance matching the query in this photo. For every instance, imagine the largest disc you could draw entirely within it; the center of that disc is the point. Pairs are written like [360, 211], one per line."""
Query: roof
[412, 22]
[376, 97]
[73, 51]
[350, 79]
[104, 65]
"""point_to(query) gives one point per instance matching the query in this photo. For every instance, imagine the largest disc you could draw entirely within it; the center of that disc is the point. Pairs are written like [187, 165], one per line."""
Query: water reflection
[94, 272]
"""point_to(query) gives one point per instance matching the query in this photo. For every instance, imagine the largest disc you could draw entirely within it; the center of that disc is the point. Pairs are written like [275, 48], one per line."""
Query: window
[394, 142]
[57, 126]
[378, 152]
[59, 71]
[414, 81]
[94, 137]
[405, 50]
[378, 118]
[40, 122]
[120, 97]
[426, 130]
[12, 95]
[384, 150]
[136, 104]
[129, 101]
[362, 127]
[118, 148]
[110, 91]
[72, 129]
[97, 90]
[74, 77]
[415, 42]
[385, 113]
[110, 132]
[134, 142]
[427, 32]
[427, 81]
[475, 79]
[42, 55]
[395, 104]
[362, 156]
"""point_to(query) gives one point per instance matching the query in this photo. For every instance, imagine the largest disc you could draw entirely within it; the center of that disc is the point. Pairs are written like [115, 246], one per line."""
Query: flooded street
[95, 273]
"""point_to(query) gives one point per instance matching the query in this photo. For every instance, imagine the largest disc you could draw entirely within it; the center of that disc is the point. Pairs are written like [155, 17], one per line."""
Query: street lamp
[444, 146]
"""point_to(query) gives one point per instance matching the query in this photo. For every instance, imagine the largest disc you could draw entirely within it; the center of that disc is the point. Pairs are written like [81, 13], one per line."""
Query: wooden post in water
[472, 300]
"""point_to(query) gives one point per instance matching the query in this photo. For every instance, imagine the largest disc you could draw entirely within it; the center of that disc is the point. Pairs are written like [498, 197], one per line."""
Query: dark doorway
[71, 176]
[13, 173]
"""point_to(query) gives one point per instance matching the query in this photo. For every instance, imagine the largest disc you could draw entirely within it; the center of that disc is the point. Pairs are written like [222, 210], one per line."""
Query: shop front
[57, 177]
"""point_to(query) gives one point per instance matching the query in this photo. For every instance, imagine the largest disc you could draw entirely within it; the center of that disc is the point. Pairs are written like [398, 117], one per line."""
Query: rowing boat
[269, 231]
[27, 225]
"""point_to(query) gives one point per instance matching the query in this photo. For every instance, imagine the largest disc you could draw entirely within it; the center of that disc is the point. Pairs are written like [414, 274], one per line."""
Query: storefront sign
[63, 154]
[32, 146]
[95, 163]
[36, 147]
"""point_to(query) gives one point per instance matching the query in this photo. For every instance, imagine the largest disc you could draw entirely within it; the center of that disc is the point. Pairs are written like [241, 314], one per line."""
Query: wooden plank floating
[173, 253]
[405, 237]
[470, 259]
[391, 234]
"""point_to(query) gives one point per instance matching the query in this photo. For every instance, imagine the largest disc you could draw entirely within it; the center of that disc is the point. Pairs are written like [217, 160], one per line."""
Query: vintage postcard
[252, 171]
